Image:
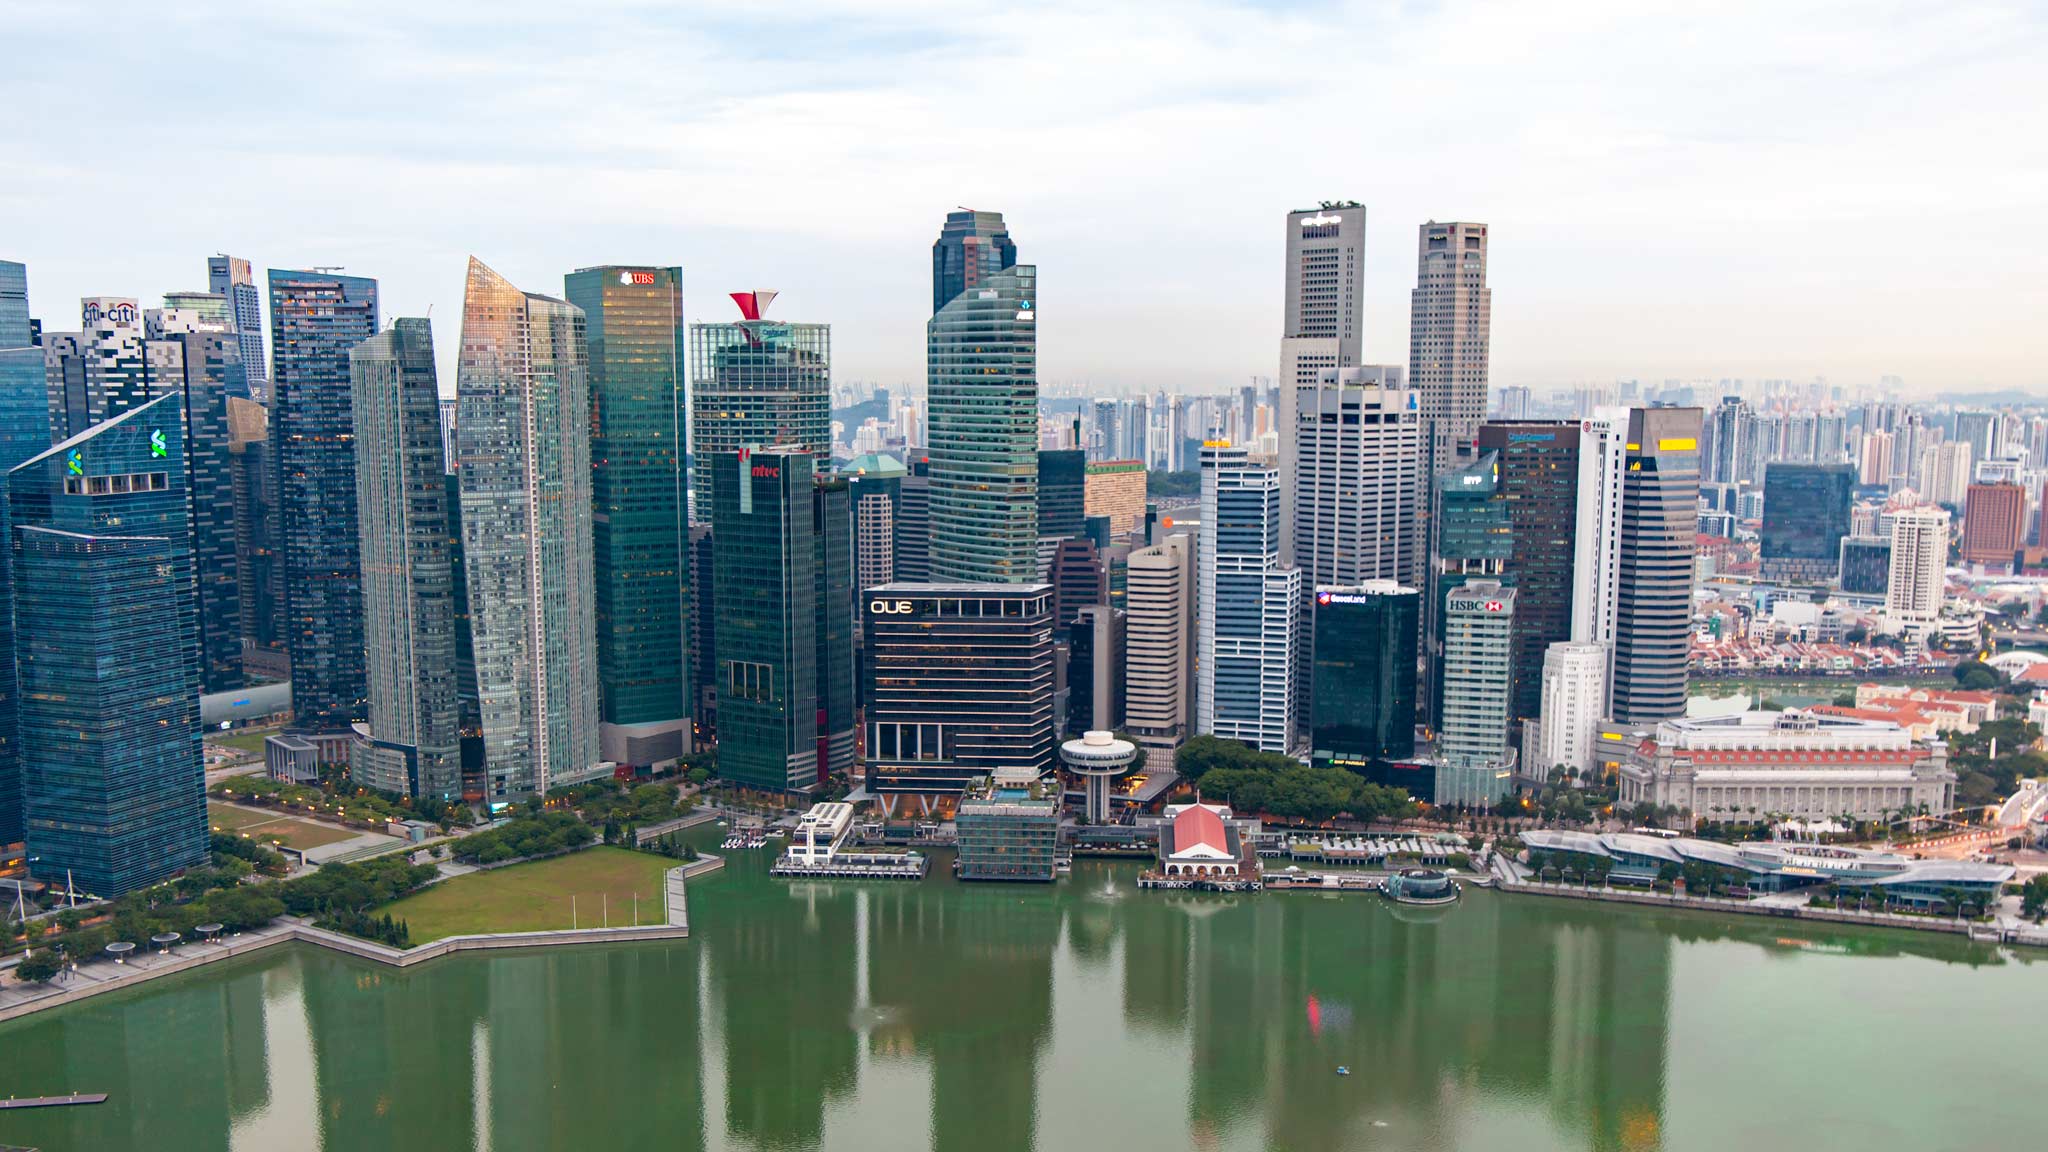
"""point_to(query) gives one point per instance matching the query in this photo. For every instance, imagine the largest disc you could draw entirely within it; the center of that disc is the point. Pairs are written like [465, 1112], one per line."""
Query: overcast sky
[1736, 188]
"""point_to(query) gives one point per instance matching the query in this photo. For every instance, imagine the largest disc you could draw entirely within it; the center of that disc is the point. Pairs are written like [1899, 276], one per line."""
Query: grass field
[246, 741]
[288, 830]
[536, 897]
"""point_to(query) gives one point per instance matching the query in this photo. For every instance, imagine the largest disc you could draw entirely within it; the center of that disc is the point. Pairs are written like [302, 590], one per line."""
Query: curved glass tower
[982, 359]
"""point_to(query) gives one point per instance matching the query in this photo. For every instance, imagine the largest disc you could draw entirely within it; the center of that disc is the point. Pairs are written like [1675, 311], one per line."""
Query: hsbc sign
[1478, 606]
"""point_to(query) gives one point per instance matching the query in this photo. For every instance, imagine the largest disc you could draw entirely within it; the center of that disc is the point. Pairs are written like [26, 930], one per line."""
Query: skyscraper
[783, 554]
[524, 442]
[100, 371]
[24, 432]
[639, 519]
[259, 570]
[412, 742]
[1248, 605]
[1653, 625]
[972, 246]
[914, 523]
[233, 278]
[1472, 747]
[1806, 515]
[1914, 593]
[1159, 646]
[982, 362]
[315, 318]
[1474, 538]
[1574, 691]
[1449, 326]
[877, 485]
[113, 782]
[1062, 491]
[757, 383]
[1539, 486]
[1363, 699]
[1322, 322]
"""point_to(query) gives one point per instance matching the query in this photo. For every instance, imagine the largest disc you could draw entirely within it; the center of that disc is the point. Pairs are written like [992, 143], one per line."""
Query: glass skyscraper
[1539, 484]
[24, 432]
[233, 278]
[1806, 515]
[1248, 605]
[315, 319]
[782, 548]
[1474, 537]
[1660, 503]
[757, 383]
[523, 440]
[1362, 703]
[633, 324]
[107, 653]
[972, 246]
[1062, 492]
[982, 363]
[412, 744]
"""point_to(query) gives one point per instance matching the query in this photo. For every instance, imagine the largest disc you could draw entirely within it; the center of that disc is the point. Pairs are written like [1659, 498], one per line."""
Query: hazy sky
[1733, 188]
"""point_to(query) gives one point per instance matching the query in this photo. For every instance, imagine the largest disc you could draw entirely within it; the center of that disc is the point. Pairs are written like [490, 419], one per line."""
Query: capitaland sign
[1342, 598]
[1321, 220]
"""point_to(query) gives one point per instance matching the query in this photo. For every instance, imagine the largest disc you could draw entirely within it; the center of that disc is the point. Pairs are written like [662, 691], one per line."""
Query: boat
[1343, 1070]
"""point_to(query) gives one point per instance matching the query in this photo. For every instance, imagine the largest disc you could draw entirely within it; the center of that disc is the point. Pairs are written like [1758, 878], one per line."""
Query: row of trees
[542, 834]
[1253, 781]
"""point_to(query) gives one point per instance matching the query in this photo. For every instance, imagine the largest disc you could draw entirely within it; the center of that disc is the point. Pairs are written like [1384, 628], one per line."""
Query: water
[1081, 1016]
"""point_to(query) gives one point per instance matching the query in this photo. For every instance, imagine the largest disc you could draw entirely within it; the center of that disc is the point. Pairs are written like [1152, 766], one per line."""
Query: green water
[1082, 1016]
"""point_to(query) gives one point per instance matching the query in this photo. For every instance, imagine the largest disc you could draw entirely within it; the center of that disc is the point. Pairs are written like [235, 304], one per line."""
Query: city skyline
[1645, 231]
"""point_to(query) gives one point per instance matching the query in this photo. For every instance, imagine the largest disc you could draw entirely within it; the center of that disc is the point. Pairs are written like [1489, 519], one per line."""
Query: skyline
[1733, 210]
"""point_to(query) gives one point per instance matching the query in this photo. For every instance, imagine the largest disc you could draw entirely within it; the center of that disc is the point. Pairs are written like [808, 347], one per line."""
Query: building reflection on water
[819, 1015]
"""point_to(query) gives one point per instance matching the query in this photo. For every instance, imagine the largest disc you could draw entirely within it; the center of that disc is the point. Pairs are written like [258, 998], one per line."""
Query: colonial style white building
[1787, 763]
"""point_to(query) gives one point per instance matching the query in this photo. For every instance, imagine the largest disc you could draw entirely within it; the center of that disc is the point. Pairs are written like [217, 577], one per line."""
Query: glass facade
[259, 570]
[633, 320]
[205, 367]
[1362, 698]
[233, 278]
[523, 443]
[1866, 565]
[408, 569]
[1653, 624]
[757, 384]
[1539, 487]
[24, 432]
[1806, 515]
[971, 247]
[1062, 492]
[1474, 537]
[1009, 830]
[107, 653]
[982, 365]
[315, 318]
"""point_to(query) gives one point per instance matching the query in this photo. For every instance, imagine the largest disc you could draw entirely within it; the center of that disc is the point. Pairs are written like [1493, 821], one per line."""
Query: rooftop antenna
[329, 268]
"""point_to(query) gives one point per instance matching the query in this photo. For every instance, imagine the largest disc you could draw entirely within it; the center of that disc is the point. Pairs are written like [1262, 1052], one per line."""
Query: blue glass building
[107, 654]
[24, 431]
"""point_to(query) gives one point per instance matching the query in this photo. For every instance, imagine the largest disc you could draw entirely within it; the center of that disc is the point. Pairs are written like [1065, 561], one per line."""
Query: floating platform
[53, 1101]
[856, 866]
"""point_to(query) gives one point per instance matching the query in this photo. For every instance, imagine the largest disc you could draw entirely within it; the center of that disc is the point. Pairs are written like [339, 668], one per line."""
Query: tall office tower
[1472, 745]
[1539, 484]
[1596, 552]
[1653, 619]
[972, 247]
[1474, 538]
[876, 483]
[1875, 460]
[1362, 705]
[1918, 579]
[703, 632]
[315, 318]
[194, 312]
[1138, 432]
[1945, 471]
[784, 622]
[757, 383]
[114, 788]
[1248, 605]
[1062, 492]
[633, 325]
[1980, 431]
[259, 570]
[1078, 577]
[100, 371]
[1514, 403]
[1994, 524]
[914, 524]
[1322, 293]
[959, 685]
[1721, 441]
[412, 743]
[524, 462]
[1095, 670]
[1806, 515]
[1574, 691]
[982, 358]
[1831, 437]
[233, 278]
[1116, 489]
[1159, 646]
[24, 432]
[1101, 436]
[1866, 565]
[450, 406]
[1358, 491]
[1450, 318]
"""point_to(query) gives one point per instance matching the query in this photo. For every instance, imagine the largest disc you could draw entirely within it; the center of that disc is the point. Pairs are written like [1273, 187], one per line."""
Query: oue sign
[889, 607]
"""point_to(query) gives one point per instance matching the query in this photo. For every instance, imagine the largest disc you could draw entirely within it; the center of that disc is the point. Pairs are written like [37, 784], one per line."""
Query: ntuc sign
[768, 471]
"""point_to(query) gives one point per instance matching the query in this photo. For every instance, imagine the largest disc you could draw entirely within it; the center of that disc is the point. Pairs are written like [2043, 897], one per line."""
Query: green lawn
[536, 897]
[289, 831]
[247, 740]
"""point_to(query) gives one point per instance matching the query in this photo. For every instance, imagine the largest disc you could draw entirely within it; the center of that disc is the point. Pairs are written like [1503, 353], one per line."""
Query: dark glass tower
[783, 564]
[757, 383]
[971, 247]
[24, 432]
[1806, 515]
[315, 318]
[1062, 492]
[206, 369]
[639, 515]
[1474, 538]
[107, 652]
[1362, 701]
[1539, 486]
[1653, 618]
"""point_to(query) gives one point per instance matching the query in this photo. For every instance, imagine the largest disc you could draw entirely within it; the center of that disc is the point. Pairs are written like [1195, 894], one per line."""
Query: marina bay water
[891, 1016]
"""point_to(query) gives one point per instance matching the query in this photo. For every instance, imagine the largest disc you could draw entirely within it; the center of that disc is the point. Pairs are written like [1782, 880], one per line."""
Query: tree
[2034, 897]
[39, 967]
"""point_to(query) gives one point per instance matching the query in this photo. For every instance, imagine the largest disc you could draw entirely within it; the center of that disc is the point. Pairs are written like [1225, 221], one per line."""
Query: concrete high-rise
[757, 383]
[1474, 538]
[1322, 322]
[315, 319]
[982, 366]
[1474, 761]
[1362, 705]
[1994, 525]
[1159, 646]
[1248, 605]
[972, 246]
[1653, 618]
[523, 440]
[639, 524]
[1945, 471]
[1449, 324]
[412, 741]
[1574, 693]
[877, 485]
[1914, 594]
[114, 788]
[233, 278]
[1596, 548]
[24, 432]
[1357, 491]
